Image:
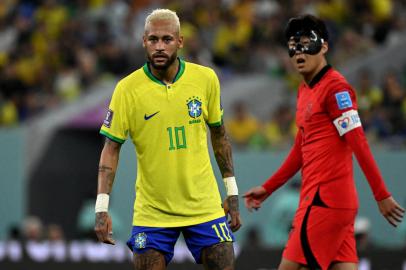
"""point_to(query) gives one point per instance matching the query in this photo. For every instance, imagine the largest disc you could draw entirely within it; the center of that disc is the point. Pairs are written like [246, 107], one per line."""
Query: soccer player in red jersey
[329, 131]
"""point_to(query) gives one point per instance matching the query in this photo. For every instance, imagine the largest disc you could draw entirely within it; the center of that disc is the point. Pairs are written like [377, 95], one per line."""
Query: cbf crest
[140, 240]
[194, 106]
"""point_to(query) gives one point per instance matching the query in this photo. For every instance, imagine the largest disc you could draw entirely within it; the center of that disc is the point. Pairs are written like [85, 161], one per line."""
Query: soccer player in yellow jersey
[165, 108]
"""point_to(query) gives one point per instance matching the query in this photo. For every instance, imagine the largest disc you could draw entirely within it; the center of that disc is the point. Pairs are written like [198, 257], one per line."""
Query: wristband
[102, 203]
[231, 186]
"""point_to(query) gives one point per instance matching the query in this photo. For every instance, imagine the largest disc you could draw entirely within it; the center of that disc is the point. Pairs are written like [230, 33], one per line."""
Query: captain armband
[348, 121]
[102, 203]
[231, 186]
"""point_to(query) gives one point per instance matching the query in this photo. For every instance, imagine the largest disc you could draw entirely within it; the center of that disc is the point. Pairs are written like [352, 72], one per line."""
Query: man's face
[306, 63]
[161, 42]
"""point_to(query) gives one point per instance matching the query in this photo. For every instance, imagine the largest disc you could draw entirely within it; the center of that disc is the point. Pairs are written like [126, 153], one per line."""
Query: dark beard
[166, 65]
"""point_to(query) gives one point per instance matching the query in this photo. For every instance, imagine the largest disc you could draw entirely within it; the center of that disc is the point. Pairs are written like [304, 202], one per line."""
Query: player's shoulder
[132, 80]
[200, 70]
[335, 81]
[334, 77]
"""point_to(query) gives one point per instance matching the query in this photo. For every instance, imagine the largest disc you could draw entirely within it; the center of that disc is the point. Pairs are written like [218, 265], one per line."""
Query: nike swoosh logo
[147, 117]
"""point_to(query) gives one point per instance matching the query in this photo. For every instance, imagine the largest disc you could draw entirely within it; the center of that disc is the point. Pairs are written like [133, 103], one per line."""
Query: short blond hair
[160, 15]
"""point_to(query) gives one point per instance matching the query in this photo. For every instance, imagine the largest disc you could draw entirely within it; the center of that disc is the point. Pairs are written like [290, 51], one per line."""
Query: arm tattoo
[101, 219]
[222, 150]
[109, 141]
[103, 168]
[233, 203]
[108, 165]
[109, 175]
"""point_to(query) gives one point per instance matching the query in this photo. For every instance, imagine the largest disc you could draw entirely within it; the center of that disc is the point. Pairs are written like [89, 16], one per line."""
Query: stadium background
[59, 62]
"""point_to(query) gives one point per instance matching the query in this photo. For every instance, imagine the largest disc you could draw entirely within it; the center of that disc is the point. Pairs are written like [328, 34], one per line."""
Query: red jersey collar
[319, 75]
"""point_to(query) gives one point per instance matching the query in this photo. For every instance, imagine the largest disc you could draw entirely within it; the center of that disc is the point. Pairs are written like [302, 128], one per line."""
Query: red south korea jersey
[329, 131]
[326, 157]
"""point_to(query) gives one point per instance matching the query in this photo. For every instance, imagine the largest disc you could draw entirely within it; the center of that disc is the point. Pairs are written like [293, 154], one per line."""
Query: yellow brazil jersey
[175, 183]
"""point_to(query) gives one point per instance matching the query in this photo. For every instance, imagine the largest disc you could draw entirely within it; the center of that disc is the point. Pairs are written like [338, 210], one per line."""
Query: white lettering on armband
[348, 121]
[231, 186]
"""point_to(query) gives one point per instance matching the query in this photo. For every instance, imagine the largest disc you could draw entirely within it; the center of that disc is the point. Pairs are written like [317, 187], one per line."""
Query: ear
[144, 41]
[180, 42]
[324, 47]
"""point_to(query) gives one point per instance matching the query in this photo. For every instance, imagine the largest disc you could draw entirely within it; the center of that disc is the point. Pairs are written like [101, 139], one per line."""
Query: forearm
[107, 170]
[222, 151]
[108, 166]
[359, 145]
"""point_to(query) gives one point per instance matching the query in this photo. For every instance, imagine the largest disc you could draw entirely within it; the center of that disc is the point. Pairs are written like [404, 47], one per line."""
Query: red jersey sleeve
[289, 168]
[342, 109]
[340, 98]
[359, 144]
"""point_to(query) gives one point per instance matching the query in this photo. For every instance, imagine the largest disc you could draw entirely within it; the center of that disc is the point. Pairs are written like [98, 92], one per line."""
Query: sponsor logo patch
[147, 117]
[109, 118]
[347, 121]
[343, 100]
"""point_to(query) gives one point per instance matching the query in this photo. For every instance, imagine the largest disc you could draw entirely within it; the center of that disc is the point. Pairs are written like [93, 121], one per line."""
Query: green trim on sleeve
[111, 137]
[216, 124]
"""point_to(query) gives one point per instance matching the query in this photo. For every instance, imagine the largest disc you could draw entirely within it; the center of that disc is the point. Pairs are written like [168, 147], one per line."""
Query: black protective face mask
[312, 48]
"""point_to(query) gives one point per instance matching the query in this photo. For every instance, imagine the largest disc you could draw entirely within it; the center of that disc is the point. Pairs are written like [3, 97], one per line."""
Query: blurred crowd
[52, 51]
[33, 229]
[248, 132]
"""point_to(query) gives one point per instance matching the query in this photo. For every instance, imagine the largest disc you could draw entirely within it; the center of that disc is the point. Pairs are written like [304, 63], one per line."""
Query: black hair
[304, 24]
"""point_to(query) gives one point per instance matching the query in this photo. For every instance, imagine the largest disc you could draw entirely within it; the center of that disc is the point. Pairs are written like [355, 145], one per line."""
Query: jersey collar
[319, 75]
[181, 70]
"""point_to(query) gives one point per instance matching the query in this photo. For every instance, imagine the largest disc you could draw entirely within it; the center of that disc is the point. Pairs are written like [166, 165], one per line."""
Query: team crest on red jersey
[308, 111]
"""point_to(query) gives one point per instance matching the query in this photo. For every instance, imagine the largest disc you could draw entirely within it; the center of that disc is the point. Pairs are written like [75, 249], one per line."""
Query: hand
[230, 205]
[104, 228]
[254, 197]
[391, 210]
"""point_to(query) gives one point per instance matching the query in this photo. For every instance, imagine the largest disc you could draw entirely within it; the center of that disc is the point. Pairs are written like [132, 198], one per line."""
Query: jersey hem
[181, 224]
[111, 137]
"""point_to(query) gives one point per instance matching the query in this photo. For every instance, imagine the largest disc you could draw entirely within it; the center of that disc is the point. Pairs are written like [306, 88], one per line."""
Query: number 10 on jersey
[180, 138]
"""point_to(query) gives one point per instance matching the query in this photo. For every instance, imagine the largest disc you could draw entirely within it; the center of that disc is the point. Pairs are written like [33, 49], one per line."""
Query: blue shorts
[196, 237]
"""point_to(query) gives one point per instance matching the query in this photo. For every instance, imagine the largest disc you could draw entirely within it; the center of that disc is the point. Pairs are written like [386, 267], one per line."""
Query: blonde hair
[160, 15]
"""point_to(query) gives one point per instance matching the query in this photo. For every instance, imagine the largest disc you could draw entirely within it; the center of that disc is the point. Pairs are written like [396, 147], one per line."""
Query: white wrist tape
[102, 203]
[231, 185]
